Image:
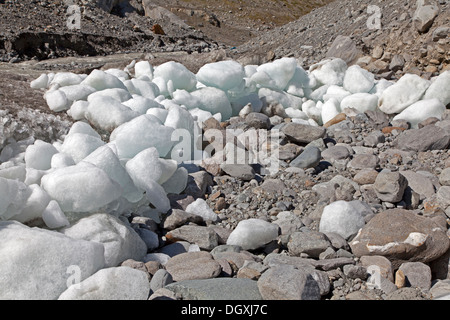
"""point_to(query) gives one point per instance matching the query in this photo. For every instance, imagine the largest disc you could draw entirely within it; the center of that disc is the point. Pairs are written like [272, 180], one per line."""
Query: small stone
[258, 120]
[301, 133]
[374, 138]
[355, 272]
[160, 279]
[312, 243]
[363, 161]
[177, 218]
[239, 171]
[444, 177]
[309, 158]
[366, 176]
[285, 282]
[337, 119]
[206, 238]
[400, 280]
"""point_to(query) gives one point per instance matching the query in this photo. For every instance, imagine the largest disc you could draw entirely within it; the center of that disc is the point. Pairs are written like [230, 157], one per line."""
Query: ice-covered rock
[279, 71]
[81, 188]
[23, 273]
[141, 133]
[329, 71]
[200, 208]
[119, 283]
[41, 82]
[408, 89]
[143, 69]
[178, 76]
[335, 92]
[105, 159]
[362, 102]
[39, 155]
[422, 110]
[177, 182]
[121, 242]
[440, 88]
[147, 165]
[224, 75]
[253, 233]
[141, 104]
[344, 218]
[54, 217]
[77, 92]
[214, 100]
[358, 80]
[106, 113]
[66, 79]
[330, 109]
[100, 80]
[118, 94]
[21, 202]
[79, 145]
[57, 100]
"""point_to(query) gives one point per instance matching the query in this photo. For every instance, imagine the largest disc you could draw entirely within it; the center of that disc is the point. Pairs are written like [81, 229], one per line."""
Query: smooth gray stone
[217, 289]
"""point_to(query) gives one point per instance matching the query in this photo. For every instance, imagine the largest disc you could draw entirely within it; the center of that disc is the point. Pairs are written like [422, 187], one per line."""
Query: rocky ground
[392, 180]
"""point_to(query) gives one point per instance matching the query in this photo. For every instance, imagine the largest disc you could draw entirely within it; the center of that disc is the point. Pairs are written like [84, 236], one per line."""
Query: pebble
[390, 186]
[312, 243]
[309, 158]
[205, 237]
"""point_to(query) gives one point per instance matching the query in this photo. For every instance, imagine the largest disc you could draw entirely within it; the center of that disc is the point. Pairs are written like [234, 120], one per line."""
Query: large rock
[344, 218]
[409, 89]
[216, 289]
[439, 88]
[312, 243]
[390, 186]
[424, 15]
[206, 238]
[120, 283]
[309, 158]
[121, 242]
[430, 137]
[301, 133]
[417, 274]
[401, 236]
[193, 265]
[285, 282]
[345, 48]
[40, 264]
[422, 110]
[81, 188]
